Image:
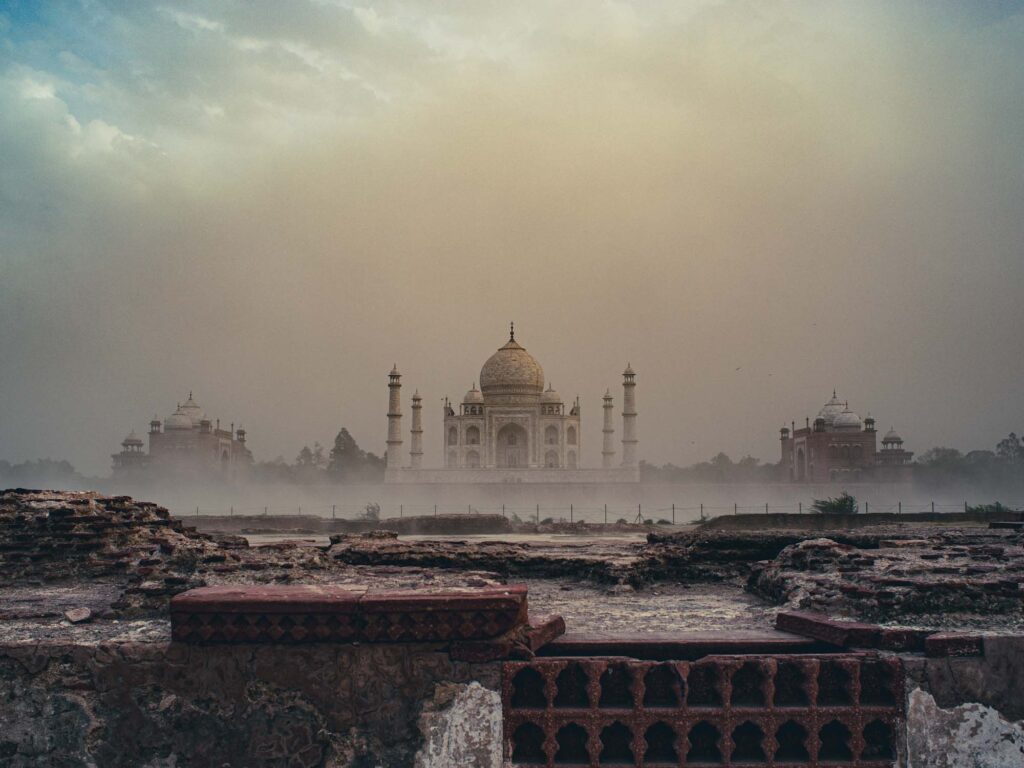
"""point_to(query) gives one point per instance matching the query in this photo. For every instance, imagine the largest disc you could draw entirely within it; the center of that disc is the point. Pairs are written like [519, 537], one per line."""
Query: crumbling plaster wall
[965, 736]
[462, 726]
[163, 704]
[967, 711]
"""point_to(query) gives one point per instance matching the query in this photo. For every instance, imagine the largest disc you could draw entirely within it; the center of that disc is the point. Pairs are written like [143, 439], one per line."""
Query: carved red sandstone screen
[776, 710]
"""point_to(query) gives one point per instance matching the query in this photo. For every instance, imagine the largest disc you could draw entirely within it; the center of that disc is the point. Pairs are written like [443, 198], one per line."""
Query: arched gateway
[511, 449]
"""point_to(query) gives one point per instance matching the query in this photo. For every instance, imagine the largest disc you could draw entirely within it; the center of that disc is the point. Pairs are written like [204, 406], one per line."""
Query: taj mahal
[512, 429]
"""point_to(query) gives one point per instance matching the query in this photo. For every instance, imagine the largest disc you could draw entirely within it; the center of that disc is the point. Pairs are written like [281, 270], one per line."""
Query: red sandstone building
[186, 444]
[839, 447]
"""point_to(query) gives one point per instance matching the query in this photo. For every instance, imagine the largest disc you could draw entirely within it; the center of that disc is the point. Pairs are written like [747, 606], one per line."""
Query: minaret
[394, 418]
[629, 417]
[416, 454]
[608, 452]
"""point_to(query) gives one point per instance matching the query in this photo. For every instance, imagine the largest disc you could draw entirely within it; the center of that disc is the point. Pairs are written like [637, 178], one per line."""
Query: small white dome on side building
[474, 396]
[178, 420]
[550, 396]
[847, 421]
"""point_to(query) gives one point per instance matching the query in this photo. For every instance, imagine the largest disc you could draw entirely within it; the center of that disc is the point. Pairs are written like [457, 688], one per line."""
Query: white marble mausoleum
[512, 429]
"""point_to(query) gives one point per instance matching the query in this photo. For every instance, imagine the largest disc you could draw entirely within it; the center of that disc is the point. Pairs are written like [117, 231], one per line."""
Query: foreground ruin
[127, 638]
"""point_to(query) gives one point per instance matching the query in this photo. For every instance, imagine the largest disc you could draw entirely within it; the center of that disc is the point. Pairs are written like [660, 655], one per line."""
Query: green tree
[349, 463]
[941, 457]
[1010, 449]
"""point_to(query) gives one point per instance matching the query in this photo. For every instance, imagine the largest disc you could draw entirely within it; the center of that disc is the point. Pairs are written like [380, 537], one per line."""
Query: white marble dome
[178, 420]
[892, 436]
[831, 410]
[550, 396]
[847, 420]
[191, 409]
[474, 396]
[512, 370]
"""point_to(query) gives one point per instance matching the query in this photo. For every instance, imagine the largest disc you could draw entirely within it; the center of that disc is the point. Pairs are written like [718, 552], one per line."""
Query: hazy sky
[270, 203]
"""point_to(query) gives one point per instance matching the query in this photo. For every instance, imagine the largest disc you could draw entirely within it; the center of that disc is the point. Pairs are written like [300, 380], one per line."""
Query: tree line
[345, 462]
[718, 469]
[948, 466]
[936, 467]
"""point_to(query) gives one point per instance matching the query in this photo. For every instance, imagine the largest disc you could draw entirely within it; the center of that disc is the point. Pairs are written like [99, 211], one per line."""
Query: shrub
[995, 508]
[843, 504]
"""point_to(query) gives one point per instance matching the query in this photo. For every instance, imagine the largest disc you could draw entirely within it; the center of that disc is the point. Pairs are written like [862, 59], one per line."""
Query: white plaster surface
[461, 727]
[968, 736]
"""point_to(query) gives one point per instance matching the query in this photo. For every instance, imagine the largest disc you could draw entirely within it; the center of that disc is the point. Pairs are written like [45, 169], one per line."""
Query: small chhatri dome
[550, 395]
[629, 370]
[132, 439]
[474, 396]
[847, 420]
[512, 370]
[892, 436]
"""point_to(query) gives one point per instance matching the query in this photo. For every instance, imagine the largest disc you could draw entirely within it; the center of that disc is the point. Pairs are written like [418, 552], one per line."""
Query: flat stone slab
[303, 598]
[820, 627]
[335, 613]
[678, 645]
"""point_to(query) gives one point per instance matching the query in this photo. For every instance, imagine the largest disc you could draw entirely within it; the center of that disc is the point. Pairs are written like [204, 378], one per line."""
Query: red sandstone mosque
[188, 443]
[839, 447]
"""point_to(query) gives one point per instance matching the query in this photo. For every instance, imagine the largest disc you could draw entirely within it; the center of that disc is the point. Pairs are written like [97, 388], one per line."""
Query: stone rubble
[134, 550]
[926, 580]
[48, 536]
[604, 563]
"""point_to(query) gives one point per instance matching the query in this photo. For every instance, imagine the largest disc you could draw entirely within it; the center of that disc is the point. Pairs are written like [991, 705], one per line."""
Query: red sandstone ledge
[681, 646]
[521, 644]
[339, 613]
[855, 634]
[269, 599]
[330, 598]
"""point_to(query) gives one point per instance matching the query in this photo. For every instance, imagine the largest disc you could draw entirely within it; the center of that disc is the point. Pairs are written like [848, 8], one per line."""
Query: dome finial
[512, 331]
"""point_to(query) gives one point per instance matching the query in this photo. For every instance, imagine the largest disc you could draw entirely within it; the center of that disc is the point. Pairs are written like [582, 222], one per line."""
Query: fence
[573, 513]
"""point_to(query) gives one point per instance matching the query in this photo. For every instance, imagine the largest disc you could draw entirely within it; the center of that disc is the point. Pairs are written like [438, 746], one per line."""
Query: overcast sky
[270, 203]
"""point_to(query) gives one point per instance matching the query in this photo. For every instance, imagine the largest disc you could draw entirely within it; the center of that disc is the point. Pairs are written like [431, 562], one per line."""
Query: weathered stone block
[845, 634]
[952, 644]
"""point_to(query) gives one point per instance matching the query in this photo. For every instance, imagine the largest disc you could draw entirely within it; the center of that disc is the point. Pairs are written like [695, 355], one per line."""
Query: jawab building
[512, 429]
[189, 445]
[839, 447]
